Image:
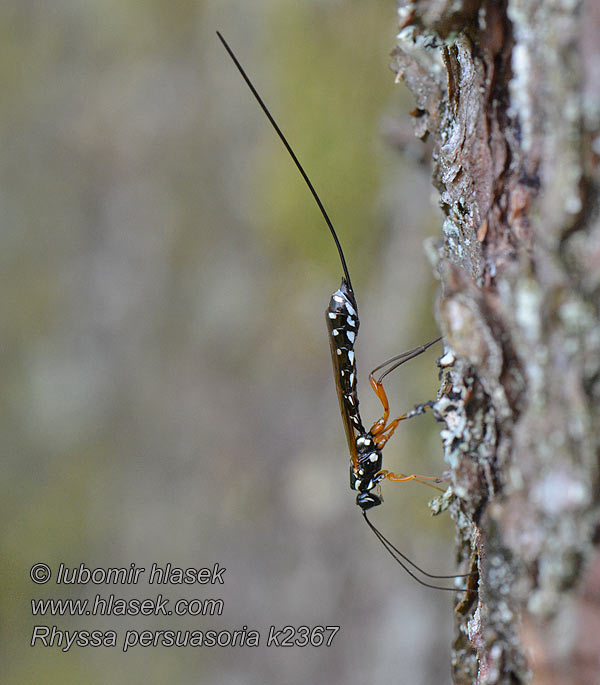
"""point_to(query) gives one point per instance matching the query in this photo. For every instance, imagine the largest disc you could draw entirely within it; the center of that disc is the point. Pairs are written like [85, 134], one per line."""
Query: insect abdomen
[343, 324]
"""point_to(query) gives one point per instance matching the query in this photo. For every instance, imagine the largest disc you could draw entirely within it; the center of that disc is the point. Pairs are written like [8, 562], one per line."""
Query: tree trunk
[509, 93]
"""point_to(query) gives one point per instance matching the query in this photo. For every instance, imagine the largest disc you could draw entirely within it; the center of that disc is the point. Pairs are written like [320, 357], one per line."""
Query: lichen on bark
[509, 93]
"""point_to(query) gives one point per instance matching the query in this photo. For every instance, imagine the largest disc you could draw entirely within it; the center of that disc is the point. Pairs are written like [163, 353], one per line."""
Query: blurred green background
[168, 395]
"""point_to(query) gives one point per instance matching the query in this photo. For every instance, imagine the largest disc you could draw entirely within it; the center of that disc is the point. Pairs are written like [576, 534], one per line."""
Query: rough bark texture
[509, 93]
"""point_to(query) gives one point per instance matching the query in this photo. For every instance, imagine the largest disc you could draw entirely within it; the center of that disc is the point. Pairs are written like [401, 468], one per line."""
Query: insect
[365, 446]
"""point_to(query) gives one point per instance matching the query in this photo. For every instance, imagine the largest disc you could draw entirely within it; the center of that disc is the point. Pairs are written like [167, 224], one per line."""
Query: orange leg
[382, 432]
[381, 426]
[401, 478]
[381, 438]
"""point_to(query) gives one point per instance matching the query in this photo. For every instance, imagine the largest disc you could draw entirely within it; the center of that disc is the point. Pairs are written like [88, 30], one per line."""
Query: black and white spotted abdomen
[342, 324]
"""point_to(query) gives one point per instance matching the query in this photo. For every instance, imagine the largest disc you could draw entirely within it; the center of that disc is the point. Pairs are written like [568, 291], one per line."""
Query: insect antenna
[403, 560]
[292, 155]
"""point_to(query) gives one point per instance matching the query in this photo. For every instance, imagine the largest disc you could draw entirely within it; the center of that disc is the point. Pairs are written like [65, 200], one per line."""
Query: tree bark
[509, 94]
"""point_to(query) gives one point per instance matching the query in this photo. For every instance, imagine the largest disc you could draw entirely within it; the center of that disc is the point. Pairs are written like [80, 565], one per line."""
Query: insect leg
[401, 358]
[385, 433]
[402, 478]
[381, 426]
[382, 431]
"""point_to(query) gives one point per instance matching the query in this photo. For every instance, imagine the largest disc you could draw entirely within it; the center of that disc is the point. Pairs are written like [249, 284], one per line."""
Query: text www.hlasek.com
[114, 606]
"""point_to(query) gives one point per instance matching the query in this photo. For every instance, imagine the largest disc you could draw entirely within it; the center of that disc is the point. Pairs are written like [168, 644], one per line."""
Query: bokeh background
[168, 395]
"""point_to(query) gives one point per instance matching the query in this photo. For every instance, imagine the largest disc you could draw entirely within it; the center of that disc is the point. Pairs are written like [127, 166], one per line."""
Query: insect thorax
[365, 474]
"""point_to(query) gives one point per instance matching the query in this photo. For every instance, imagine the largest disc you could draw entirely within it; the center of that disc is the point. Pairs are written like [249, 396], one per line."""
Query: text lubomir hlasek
[131, 575]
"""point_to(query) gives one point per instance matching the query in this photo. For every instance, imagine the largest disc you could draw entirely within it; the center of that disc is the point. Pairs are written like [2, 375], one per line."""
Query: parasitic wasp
[365, 446]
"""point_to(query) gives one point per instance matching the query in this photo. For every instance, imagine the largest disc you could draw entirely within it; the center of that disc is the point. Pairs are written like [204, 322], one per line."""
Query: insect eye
[367, 500]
